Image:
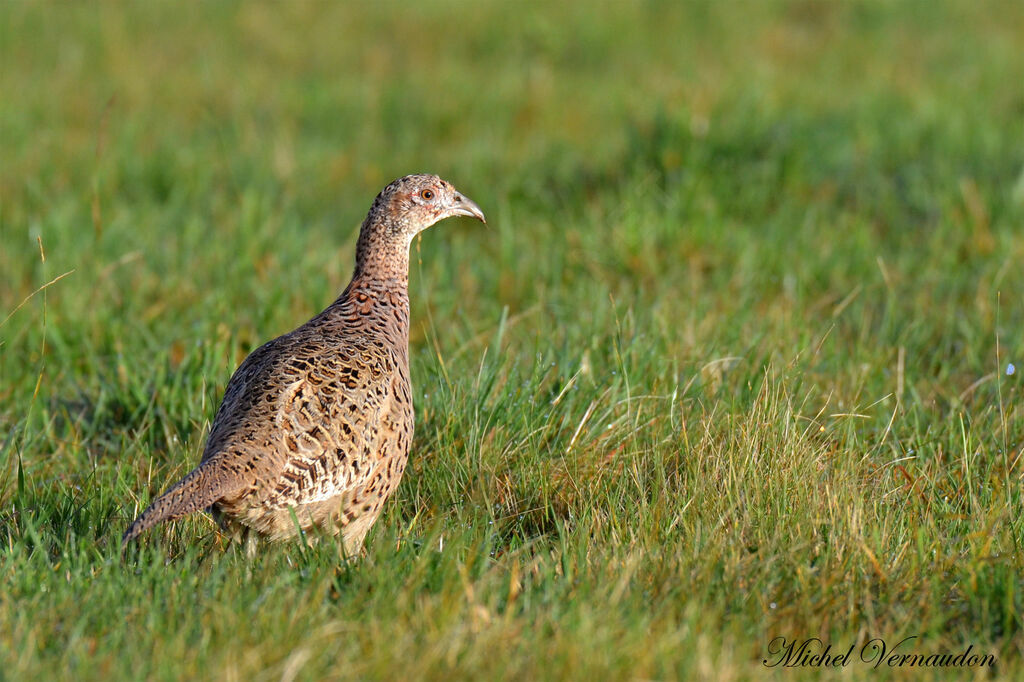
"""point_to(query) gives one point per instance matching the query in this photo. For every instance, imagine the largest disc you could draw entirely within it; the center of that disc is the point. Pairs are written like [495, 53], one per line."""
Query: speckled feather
[315, 426]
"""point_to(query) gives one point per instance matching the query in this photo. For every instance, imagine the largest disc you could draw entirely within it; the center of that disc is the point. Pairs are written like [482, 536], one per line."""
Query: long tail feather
[198, 490]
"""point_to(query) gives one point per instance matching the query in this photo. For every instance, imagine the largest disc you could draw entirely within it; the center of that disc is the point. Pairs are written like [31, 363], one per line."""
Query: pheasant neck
[382, 258]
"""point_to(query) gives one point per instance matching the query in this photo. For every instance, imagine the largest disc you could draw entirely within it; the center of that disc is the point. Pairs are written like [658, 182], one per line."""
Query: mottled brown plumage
[315, 426]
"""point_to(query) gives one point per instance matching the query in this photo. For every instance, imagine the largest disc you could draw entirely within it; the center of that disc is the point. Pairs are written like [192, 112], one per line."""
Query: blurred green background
[733, 358]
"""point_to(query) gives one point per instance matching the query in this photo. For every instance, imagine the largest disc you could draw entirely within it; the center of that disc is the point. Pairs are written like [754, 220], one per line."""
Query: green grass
[729, 361]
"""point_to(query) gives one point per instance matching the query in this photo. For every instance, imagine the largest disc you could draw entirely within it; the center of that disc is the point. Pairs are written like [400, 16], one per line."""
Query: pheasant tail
[198, 490]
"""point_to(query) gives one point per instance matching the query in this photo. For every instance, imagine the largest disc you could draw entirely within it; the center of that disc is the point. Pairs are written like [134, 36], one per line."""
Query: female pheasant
[315, 426]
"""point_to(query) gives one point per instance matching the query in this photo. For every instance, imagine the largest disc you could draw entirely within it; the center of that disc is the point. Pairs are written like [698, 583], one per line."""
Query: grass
[731, 360]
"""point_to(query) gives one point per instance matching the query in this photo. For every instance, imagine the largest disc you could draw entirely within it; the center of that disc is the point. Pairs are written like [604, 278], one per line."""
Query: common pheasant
[315, 426]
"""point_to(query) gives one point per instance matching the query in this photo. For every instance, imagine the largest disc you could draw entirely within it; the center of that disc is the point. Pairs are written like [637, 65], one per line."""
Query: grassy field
[739, 355]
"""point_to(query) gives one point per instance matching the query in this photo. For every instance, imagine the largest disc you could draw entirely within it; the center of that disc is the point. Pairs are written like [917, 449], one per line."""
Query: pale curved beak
[463, 205]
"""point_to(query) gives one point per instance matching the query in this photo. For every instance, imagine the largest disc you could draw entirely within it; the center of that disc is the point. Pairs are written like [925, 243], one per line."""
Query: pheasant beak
[463, 205]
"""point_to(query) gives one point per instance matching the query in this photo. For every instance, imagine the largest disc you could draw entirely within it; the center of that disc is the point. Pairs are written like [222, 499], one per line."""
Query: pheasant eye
[427, 194]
